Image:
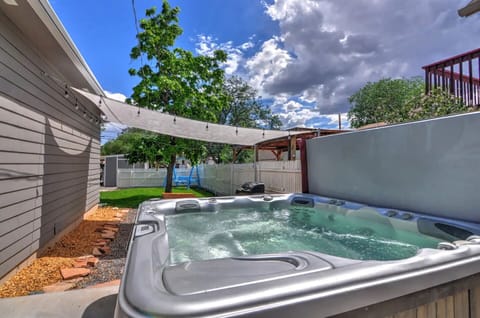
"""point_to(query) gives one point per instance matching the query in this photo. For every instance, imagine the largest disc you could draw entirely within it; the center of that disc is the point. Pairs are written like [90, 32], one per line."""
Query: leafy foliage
[383, 101]
[243, 109]
[124, 142]
[400, 100]
[438, 103]
[176, 82]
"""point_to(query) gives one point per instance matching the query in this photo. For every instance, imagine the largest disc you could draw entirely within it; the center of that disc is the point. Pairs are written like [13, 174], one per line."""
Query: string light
[86, 114]
[175, 120]
[206, 127]
[138, 112]
[263, 133]
[236, 131]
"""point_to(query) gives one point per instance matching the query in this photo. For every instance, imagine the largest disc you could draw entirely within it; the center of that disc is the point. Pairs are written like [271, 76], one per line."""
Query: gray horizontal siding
[49, 152]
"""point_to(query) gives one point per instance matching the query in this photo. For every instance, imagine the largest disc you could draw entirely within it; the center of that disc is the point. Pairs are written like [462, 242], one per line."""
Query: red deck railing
[459, 74]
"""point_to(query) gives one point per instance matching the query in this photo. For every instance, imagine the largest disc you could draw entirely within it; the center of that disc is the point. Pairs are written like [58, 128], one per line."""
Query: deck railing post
[470, 82]
[452, 81]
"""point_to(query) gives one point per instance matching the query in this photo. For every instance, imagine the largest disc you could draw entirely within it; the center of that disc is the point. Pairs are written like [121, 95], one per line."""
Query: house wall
[49, 152]
[428, 166]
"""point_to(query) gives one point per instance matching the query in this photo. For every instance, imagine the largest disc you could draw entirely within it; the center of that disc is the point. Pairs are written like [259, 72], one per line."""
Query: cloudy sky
[305, 57]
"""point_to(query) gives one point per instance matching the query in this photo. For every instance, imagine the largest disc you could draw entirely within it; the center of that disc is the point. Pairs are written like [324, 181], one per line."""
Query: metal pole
[339, 121]
[255, 163]
[232, 192]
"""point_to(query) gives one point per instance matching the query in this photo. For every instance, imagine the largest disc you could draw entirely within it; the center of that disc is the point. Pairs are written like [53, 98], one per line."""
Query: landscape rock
[97, 252]
[92, 261]
[105, 250]
[80, 263]
[69, 273]
[110, 228]
[109, 235]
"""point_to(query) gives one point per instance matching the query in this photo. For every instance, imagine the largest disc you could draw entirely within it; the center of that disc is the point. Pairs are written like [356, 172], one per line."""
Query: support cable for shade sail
[172, 125]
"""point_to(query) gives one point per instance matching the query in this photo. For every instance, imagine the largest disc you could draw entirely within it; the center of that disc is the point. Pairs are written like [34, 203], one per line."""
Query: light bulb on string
[66, 91]
[76, 104]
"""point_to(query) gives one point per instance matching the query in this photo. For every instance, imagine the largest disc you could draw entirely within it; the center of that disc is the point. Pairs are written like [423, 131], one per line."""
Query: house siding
[49, 152]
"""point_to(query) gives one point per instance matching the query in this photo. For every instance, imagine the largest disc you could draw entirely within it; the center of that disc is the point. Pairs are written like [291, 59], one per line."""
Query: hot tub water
[242, 232]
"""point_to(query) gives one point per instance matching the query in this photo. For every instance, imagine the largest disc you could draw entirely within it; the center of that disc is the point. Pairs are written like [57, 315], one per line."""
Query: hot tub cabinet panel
[290, 284]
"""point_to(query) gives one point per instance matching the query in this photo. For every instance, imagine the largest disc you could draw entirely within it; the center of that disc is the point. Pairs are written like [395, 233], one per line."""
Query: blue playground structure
[181, 177]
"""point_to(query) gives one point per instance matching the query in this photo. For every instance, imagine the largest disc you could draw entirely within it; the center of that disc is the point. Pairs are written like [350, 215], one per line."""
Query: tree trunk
[171, 166]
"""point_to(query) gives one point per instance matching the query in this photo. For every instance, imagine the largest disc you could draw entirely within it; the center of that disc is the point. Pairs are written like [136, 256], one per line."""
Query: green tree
[175, 81]
[124, 142]
[244, 108]
[437, 103]
[383, 101]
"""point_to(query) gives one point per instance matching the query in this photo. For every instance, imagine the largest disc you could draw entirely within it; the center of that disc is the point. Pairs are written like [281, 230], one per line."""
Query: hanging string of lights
[83, 110]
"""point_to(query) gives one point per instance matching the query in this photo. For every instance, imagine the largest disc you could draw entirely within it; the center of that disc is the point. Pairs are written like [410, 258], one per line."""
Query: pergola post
[292, 148]
[303, 164]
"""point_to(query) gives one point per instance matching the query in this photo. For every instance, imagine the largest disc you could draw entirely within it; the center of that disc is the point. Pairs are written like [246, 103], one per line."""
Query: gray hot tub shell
[303, 284]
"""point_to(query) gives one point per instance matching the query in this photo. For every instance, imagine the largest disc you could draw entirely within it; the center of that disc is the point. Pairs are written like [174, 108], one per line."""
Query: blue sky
[305, 57]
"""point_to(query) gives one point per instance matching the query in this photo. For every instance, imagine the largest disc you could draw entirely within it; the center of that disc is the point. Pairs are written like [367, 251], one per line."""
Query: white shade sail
[170, 125]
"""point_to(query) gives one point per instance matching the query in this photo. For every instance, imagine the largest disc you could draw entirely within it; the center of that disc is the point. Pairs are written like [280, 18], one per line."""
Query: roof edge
[51, 20]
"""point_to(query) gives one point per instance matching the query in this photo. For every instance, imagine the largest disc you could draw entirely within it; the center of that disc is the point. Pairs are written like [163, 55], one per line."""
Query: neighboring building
[111, 165]
[49, 141]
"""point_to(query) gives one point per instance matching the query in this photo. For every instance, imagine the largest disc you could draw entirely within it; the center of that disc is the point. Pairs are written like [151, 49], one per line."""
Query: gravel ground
[45, 270]
[110, 267]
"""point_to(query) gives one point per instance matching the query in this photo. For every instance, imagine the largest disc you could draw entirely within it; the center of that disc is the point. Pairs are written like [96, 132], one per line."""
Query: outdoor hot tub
[295, 255]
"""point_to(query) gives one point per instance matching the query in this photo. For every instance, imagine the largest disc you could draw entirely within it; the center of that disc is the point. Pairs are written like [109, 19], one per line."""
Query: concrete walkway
[84, 303]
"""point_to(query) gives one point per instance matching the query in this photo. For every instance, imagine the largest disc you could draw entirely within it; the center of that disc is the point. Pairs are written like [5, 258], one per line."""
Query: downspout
[302, 145]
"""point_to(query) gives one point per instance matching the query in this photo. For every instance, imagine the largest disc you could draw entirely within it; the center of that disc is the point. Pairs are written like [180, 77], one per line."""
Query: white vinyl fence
[224, 179]
[131, 178]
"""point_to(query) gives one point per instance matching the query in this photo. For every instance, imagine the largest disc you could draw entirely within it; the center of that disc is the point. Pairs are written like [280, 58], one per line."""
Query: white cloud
[267, 64]
[297, 118]
[247, 45]
[206, 45]
[328, 49]
[116, 96]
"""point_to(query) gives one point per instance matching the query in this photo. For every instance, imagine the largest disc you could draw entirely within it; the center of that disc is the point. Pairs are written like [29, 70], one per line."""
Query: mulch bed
[45, 270]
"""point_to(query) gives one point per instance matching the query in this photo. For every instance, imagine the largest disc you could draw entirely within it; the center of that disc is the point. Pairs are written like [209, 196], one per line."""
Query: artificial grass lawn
[131, 198]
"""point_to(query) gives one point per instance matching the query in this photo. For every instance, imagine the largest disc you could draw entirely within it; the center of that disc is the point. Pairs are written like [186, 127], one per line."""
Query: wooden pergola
[289, 144]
